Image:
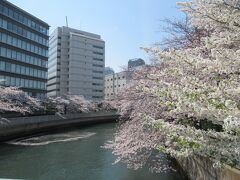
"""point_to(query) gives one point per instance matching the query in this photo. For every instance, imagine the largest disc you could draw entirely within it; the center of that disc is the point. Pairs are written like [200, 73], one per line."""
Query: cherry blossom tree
[189, 104]
[76, 104]
[181, 34]
[13, 99]
[70, 104]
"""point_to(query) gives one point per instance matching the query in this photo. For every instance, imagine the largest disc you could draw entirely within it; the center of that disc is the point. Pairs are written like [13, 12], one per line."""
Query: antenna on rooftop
[66, 21]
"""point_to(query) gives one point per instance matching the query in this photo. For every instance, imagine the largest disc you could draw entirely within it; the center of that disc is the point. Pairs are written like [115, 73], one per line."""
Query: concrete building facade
[76, 64]
[23, 50]
[115, 82]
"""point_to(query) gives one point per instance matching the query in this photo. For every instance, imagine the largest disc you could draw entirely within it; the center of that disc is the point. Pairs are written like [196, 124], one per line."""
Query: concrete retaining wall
[229, 173]
[11, 128]
[201, 168]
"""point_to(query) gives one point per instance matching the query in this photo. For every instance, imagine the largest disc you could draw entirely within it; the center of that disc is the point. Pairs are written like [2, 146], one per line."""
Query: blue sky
[125, 25]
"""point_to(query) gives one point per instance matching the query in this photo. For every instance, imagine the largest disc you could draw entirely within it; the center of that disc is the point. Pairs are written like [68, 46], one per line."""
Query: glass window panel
[19, 56]
[28, 47]
[2, 65]
[18, 69]
[13, 81]
[23, 70]
[8, 80]
[27, 59]
[14, 42]
[19, 43]
[8, 67]
[18, 82]
[35, 73]
[3, 52]
[22, 83]
[9, 55]
[30, 83]
[32, 60]
[4, 24]
[35, 84]
[14, 54]
[2, 80]
[31, 72]
[26, 83]
[4, 38]
[24, 45]
[13, 68]
[23, 57]
[27, 71]
[9, 39]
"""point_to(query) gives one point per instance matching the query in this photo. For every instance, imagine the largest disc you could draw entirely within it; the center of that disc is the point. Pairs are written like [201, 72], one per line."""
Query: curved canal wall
[201, 168]
[11, 128]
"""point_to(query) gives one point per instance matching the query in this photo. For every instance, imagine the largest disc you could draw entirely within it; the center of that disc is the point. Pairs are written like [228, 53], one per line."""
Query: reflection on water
[74, 154]
[52, 138]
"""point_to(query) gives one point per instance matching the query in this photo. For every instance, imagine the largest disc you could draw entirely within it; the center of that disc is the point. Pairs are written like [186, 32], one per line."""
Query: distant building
[115, 82]
[76, 64]
[108, 71]
[135, 63]
[23, 50]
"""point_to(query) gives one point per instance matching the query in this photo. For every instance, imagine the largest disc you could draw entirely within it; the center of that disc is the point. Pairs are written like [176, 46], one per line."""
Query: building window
[98, 53]
[97, 59]
[97, 65]
[22, 44]
[98, 47]
[99, 72]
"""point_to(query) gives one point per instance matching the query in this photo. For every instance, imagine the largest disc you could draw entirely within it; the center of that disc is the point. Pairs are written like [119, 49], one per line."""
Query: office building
[76, 64]
[23, 50]
[115, 82]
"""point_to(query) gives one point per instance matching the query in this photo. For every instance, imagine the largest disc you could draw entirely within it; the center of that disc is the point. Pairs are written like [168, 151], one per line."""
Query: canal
[73, 154]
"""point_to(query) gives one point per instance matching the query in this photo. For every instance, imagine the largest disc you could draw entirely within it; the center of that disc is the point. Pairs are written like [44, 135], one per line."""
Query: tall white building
[76, 64]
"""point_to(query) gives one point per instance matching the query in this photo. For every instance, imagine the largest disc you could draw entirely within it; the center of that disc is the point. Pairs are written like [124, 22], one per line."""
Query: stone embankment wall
[201, 168]
[11, 128]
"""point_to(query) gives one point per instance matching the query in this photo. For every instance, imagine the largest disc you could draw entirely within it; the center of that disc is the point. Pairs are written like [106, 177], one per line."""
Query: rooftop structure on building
[108, 70]
[135, 63]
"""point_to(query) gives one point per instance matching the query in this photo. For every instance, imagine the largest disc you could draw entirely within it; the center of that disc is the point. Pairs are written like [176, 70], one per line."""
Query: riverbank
[11, 128]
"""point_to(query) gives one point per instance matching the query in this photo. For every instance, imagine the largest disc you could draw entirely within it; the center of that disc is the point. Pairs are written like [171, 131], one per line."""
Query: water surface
[74, 154]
